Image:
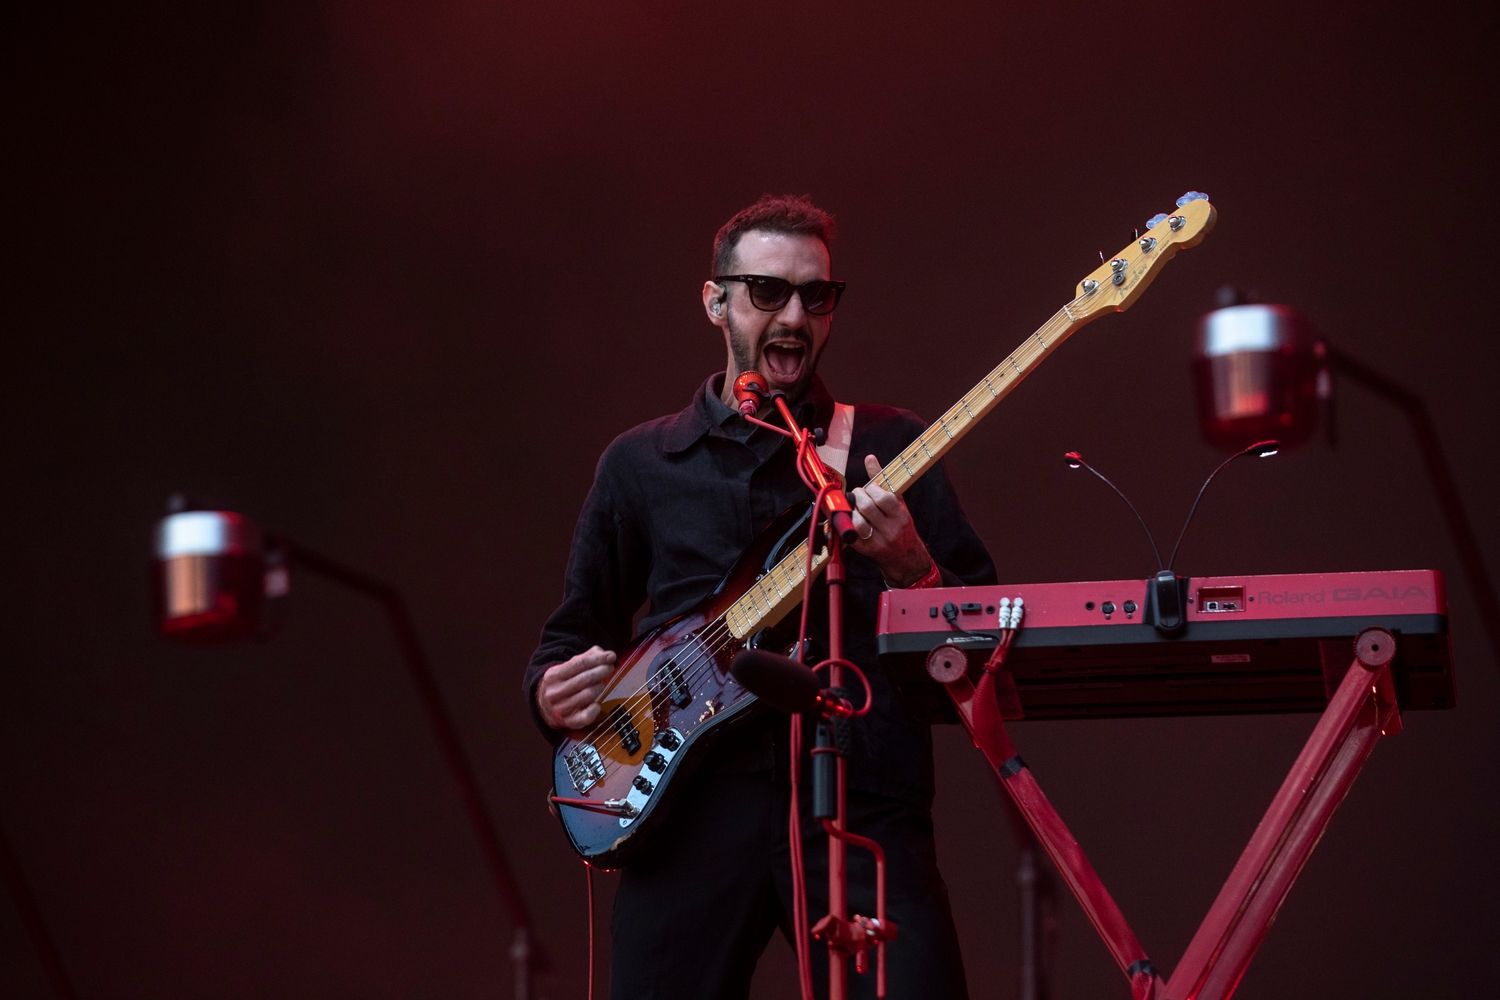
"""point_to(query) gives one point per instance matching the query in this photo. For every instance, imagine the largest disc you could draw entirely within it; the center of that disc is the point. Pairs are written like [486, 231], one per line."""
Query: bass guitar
[672, 692]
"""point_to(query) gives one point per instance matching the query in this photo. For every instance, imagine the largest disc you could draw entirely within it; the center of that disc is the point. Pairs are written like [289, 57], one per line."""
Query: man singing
[674, 502]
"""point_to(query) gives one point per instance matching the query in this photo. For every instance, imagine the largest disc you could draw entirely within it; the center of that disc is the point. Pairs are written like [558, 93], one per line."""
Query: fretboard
[776, 593]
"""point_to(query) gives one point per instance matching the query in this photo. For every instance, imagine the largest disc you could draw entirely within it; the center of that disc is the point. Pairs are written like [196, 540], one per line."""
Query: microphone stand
[845, 936]
[1039, 912]
[526, 952]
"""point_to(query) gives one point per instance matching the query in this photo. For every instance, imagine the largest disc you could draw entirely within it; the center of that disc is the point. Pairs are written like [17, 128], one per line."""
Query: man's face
[783, 346]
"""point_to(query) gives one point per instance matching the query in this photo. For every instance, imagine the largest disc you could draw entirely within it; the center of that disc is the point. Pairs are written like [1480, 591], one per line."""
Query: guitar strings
[711, 642]
[689, 669]
[714, 640]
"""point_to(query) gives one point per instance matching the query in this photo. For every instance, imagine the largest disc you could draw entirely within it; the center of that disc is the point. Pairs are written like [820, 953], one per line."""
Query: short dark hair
[790, 214]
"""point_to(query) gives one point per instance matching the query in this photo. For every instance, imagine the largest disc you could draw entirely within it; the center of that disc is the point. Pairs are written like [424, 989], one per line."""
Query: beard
[749, 355]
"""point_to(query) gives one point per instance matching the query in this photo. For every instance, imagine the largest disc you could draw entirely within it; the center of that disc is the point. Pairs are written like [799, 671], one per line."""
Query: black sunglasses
[768, 294]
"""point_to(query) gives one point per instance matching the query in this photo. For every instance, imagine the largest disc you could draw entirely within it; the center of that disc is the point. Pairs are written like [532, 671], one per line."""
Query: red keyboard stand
[1361, 710]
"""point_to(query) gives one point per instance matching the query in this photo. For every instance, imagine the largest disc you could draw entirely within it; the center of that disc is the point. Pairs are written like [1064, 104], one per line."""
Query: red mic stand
[845, 936]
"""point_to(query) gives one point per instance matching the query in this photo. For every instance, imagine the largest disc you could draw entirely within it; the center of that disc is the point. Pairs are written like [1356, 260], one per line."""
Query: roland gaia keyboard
[1240, 644]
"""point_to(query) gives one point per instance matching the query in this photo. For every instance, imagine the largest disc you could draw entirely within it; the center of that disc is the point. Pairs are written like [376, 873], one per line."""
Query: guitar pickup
[677, 688]
[630, 737]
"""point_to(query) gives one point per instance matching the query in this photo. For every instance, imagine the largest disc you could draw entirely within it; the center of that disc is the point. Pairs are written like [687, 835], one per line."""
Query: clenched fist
[568, 693]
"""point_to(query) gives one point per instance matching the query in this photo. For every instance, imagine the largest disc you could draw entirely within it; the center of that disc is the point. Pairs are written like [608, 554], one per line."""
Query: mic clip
[1166, 603]
[832, 705]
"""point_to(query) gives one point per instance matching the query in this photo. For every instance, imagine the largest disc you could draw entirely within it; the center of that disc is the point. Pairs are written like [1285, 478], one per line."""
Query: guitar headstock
[1116, 284]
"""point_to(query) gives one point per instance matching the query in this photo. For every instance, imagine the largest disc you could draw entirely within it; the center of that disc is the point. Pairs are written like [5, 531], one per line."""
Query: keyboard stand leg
[1361, 711]
[981, 717]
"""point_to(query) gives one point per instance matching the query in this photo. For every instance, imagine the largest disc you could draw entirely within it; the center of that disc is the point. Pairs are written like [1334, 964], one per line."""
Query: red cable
[800, 930]
[863, 709]
[807, 577]
[589, 804]
[1002, 649]
[590, 872]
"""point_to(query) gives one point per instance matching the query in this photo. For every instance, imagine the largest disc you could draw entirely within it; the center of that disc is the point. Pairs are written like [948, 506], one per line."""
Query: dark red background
[389, 276]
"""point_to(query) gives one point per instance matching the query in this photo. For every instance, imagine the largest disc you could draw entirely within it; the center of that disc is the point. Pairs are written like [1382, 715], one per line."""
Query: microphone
[785, 684]
[749, 389]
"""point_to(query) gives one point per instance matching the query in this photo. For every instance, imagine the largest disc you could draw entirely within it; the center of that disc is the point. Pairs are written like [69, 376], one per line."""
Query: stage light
[209, 574]
[217, 577]
[1257, 369]
[1260, 372]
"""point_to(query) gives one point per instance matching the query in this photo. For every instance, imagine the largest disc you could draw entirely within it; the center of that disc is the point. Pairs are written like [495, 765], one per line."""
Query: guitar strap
[834, 451]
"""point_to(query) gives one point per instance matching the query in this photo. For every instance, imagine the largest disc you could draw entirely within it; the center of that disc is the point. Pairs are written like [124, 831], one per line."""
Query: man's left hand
[886, 533]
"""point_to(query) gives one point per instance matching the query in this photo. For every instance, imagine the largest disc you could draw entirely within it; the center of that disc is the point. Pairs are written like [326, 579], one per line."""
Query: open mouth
[784, 360]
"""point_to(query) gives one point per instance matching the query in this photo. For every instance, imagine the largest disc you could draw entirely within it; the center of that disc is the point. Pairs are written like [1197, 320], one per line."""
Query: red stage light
[209, 576]
[1260, 373]
[217, 579]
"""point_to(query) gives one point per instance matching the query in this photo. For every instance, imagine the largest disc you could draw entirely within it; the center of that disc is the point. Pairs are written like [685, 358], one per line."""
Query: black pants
[692, 919]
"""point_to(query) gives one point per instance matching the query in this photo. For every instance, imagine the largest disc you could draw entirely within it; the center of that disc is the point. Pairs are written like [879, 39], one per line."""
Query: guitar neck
[776, 593]
[925, 452]
[1111, 287]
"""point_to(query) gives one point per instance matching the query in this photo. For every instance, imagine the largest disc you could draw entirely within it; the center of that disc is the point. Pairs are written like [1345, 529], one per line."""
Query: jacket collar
[707, 415]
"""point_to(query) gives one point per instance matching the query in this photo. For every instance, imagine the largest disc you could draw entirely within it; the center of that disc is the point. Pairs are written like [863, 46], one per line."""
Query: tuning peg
[1156, 220]
[1137, 234]
[1191, 196]
[1101, 256]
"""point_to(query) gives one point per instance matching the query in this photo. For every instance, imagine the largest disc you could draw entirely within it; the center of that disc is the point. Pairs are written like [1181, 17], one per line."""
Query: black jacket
[674, 503]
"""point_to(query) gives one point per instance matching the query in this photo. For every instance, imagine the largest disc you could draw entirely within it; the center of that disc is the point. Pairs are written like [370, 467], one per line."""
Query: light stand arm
[1449, 501]
[526, 952]
[36, 927]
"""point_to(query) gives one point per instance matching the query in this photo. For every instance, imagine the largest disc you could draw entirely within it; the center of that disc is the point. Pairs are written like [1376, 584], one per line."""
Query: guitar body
[670, 696]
